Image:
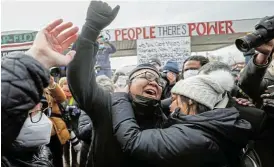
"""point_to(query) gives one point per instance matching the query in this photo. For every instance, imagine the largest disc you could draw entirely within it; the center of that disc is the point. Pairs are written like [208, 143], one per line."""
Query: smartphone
[270, 88]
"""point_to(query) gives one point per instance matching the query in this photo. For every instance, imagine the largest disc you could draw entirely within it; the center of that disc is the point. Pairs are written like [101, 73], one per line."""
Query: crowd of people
[196, 114]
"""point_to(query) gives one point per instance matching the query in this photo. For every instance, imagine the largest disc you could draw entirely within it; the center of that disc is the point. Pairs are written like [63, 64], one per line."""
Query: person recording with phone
[103, 56]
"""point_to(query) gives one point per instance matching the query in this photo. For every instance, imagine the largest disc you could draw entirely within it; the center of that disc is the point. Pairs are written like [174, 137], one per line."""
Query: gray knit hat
[205, 89]
[105, 83]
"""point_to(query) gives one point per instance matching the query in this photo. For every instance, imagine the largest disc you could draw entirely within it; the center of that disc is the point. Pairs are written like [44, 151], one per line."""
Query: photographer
[103, 57]
[255, 80]
[170, 74]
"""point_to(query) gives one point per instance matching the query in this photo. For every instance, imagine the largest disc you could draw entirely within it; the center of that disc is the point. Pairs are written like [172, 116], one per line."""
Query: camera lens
[242, 45]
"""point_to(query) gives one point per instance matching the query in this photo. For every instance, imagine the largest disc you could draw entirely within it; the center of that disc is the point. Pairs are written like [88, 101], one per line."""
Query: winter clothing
[255, 79]
[141, 67]
[40, 157]
[171, 66]
[22, 82]
[212, 138]
[105, 83]
[94, 101]
[205, 89]
[103, 56]
[55, 96]
[155, 60]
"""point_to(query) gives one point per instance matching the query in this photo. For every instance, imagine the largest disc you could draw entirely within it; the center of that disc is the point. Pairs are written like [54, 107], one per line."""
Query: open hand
[51, 42]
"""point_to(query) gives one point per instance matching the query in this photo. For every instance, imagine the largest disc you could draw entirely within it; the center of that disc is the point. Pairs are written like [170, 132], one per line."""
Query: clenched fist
[100, 15]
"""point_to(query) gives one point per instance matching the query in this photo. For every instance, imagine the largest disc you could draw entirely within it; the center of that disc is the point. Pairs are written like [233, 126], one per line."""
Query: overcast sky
[33, 15]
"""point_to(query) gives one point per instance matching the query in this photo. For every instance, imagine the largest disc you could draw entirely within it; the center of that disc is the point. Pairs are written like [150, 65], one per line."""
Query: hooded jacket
[22, 82]
[96, 102]
[213, 138]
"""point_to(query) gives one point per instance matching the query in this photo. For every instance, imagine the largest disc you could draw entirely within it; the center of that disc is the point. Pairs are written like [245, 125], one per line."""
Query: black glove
[268, 99]
[100, 15]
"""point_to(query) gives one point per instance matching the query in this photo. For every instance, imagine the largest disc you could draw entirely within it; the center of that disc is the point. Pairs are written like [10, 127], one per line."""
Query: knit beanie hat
[143, 66]
[205, 89]
[155, 60]
[105, 82]
[171, 66]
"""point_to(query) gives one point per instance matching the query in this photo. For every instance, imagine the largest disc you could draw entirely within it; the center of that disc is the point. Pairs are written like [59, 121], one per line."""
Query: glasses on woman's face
[152, 77]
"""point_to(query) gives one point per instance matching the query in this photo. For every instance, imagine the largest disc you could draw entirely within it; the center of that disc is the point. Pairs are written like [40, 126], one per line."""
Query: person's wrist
[37, 54]
[261, 59]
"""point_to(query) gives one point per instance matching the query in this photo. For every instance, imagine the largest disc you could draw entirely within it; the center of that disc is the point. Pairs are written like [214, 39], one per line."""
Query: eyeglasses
[151, 77]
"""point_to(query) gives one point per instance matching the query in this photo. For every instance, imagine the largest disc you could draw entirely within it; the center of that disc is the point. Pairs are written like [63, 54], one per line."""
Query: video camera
[264, 32]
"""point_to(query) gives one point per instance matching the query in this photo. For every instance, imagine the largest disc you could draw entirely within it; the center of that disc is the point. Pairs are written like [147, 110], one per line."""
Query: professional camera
[73, 110]
[264, 32]
[55, 71]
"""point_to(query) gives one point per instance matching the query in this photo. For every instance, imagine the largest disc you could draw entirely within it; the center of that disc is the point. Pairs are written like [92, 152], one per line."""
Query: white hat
[205, 89]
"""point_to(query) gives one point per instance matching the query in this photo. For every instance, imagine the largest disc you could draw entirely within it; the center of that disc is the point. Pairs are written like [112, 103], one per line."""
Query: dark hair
[200, 108]
[213, 66]
[203, 60]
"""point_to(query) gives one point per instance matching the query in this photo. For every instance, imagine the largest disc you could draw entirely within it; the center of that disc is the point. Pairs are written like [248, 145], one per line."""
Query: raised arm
[111, 49]
[81, 73]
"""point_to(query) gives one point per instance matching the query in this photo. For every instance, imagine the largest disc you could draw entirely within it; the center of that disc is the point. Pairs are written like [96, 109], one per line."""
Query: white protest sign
[176, 49]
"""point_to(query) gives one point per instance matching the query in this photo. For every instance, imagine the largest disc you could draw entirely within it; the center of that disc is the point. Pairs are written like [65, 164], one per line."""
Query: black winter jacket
[255, 79]
[213, 138]
[40, 157]
[96, 102]
[84, 127]
[22, 82]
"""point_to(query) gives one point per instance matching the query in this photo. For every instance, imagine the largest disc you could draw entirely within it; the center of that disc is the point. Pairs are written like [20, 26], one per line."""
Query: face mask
[101, 46]
[34, 134]
[145, 106]
[190, 73]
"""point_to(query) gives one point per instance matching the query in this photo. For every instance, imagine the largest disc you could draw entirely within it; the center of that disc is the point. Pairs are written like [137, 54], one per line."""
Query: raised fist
[100, 15]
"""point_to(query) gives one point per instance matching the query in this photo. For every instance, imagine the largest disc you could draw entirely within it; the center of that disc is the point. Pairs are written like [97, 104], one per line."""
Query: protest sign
[176, 49]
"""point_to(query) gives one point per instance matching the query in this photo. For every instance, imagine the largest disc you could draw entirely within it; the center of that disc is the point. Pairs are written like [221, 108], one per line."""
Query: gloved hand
[268, 99]
[100, 15]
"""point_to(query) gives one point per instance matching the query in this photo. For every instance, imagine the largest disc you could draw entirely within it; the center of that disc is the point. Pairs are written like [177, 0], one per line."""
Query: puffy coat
[55, 96]
[96, 102]
[41, 157]
[213, 138]
[22, 82]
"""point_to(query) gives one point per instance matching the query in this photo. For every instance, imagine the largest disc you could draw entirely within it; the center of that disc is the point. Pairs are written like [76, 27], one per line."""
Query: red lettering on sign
[138, 32]
[191, 27]
[131, 31]
[124, 34]
[221, 27]
[144, 32]
[210, 27]
[117, 33]
[229, 27]
[199, 28]
[152, 32]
